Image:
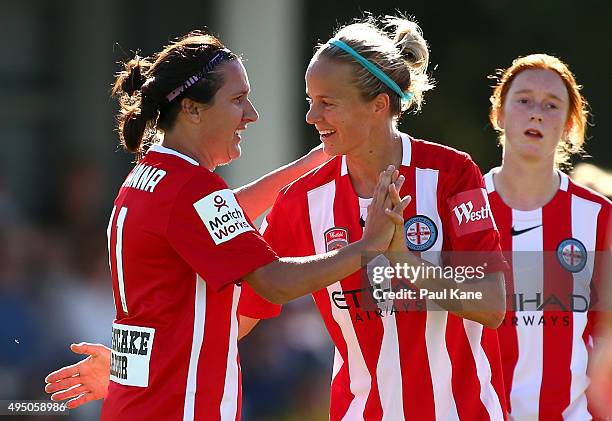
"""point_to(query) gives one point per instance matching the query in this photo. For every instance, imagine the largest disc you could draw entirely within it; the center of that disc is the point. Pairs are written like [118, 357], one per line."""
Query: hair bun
[134, 79]
[410, 43]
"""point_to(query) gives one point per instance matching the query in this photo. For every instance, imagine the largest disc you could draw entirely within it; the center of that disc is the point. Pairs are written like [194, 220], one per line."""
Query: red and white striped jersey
[395, 364]
[546, 336]
[178, 244]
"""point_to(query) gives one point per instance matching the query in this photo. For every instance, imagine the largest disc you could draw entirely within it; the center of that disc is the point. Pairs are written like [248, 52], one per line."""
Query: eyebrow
[240, 93]
[528, 91]
[320, 96]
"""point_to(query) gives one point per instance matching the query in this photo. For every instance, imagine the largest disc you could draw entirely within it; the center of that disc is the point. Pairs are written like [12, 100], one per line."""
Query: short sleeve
[276, 232]
[210, 231]
[471, 228]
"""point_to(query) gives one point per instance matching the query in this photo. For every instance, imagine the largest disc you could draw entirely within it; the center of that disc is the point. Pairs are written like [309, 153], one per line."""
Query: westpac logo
[465, 213]
[472, 211]
[222, 215]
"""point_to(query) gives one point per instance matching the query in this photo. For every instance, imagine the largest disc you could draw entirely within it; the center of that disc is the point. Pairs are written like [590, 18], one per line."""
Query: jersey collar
[162, 149]
[406, 154]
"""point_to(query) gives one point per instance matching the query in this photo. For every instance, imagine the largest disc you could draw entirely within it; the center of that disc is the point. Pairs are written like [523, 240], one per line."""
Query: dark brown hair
[144, 84]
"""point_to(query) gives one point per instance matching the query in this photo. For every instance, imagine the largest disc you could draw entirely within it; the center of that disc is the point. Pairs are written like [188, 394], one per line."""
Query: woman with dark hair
[181, 245]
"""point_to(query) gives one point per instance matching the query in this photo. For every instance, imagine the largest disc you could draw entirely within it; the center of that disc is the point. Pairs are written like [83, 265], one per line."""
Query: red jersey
[546, 336]
[394, 364]
[178, 244]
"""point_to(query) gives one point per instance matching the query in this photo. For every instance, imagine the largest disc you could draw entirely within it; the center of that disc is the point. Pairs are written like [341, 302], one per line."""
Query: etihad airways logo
[472, 212]
[222, 216]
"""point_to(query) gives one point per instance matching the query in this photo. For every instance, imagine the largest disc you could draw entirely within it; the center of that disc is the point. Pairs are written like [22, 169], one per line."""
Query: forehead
[543, 81]
[329, 78]
[234, 75]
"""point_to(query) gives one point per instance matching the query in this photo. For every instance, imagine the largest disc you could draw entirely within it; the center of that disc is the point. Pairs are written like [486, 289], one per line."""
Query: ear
[500, 118]
[381, 103]
[190, 110]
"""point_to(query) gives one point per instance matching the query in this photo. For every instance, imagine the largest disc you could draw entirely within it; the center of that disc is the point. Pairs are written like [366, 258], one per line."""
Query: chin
[332, 150]
[234, 153]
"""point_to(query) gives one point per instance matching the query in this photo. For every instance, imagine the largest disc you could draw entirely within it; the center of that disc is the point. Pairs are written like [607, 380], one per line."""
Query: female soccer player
[389, 364]
[553, 226]
[181, 245]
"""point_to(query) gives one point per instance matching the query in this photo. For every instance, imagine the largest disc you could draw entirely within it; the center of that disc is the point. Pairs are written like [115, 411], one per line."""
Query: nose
[312, 116]
[251, 114]
[536, 118]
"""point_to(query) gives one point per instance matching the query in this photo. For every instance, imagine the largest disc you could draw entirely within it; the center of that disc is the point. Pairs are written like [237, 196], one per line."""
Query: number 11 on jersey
[118, 251]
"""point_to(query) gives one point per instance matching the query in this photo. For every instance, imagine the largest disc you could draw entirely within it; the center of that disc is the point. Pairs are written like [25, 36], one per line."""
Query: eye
[522, 101]
[551, 106]
[239, 99]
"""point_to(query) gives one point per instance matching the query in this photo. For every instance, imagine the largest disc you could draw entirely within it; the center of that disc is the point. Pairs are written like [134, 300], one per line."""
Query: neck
[185, 142]
[365, 163]
[526, 185]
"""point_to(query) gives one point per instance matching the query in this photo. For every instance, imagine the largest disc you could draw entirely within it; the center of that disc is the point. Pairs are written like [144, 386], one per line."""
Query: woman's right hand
[84, 381]
[380, 228]
[398, 242]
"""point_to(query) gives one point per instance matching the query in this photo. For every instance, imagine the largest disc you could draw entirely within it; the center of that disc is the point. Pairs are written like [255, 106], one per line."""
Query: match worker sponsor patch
[131, 354]
[470, 212]
[222, 215]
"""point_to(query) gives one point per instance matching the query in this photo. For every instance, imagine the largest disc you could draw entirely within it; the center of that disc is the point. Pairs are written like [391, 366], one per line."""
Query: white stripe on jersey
[488, 395]
[488, 179]
[108, 235]
[527, 379]
[229, 402]
[196, 346]
[119, 257]
[388, 365]
[389, 369]
[426, 195]
[440, 365]
[583, 228]
[426, 183]
[321, 211]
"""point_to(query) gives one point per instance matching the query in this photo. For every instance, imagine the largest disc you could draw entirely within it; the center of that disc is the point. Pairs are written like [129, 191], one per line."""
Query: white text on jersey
[464, 210]
[144, 177]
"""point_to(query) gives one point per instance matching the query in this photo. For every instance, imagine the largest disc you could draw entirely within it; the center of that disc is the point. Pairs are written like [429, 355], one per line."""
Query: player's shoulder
[185, 177]
[312, 180]
[432, 155]
[586, 193]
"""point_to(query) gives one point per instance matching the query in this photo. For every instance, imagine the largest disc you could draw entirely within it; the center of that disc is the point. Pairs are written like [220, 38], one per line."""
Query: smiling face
[534, 117]
[337, 110]
[230, 112]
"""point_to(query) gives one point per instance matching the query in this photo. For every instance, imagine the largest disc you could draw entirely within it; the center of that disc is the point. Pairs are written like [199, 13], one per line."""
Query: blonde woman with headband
[405, 361]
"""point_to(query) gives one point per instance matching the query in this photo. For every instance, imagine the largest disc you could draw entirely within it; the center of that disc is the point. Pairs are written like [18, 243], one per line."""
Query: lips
[324, 134]
[533, 133]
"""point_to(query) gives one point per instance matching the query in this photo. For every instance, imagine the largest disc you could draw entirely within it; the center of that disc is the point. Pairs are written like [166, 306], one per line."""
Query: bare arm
[246, 325]
[289, 278]
[259, 195]
[488, 310]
